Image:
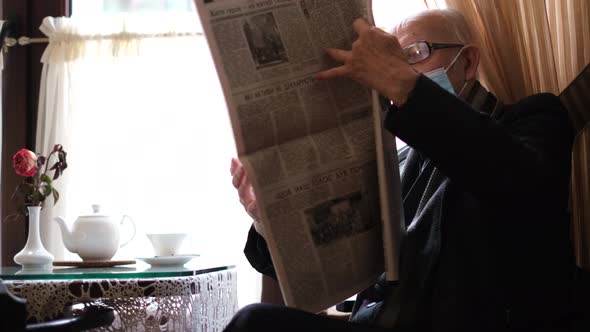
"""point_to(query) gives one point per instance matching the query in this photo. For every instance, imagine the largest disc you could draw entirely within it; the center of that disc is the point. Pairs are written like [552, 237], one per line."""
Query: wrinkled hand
[376, 61]
[246, 193]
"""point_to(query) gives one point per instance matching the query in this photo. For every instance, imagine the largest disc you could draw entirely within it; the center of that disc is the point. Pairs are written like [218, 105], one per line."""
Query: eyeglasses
[422, 50]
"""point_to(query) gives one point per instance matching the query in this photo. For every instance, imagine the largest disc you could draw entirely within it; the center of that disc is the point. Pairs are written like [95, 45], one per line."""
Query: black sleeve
[257, 253]
[520, 156]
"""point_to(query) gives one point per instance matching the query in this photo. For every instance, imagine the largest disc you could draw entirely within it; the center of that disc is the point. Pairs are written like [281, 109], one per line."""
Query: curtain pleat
[569, 23]
[576, 99]
[531, 46]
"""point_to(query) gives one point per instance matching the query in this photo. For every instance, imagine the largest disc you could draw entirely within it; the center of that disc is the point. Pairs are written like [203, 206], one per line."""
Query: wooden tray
[93, 263]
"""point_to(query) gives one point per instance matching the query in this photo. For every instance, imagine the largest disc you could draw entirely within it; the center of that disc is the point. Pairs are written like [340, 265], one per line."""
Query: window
[151, 137]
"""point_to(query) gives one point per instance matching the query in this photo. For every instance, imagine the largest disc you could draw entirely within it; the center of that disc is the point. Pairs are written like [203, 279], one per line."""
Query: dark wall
[20, 95]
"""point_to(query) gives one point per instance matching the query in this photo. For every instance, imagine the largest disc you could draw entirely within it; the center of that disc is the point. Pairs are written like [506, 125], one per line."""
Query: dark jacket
[485, 196]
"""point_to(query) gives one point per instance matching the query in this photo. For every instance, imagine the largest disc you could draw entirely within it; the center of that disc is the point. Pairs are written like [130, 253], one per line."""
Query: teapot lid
[96, 212]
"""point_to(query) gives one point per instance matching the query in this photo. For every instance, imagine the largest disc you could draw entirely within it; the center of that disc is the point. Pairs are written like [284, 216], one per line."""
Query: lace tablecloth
[203, 302]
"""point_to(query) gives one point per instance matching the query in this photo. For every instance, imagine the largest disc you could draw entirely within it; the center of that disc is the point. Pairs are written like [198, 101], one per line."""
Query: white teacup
[166, 244]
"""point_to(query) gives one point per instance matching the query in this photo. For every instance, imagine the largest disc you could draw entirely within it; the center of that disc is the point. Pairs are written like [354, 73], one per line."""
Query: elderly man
[485, 189]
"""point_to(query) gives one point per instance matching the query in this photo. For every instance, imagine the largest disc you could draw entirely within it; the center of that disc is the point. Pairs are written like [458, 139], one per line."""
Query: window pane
[150, 134]
[109, 7]
[387, 13]
[147, 5]
[399, 143]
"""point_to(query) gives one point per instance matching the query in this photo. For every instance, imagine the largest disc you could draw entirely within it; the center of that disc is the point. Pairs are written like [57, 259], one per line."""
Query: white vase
[34, 254]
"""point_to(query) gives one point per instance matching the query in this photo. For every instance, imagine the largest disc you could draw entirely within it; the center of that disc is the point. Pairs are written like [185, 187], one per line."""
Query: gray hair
[454, 22]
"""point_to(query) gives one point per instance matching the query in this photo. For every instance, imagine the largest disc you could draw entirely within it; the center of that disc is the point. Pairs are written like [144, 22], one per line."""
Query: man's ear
[471, 63]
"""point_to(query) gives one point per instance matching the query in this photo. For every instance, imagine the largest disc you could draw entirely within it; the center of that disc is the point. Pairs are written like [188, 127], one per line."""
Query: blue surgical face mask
[440, 77]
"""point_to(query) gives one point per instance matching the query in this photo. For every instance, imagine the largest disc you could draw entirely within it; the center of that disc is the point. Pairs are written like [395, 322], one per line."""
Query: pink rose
[25, 162]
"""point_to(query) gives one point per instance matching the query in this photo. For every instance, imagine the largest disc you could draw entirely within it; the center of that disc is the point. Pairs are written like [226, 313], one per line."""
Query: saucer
[168, 260]
[109, 263]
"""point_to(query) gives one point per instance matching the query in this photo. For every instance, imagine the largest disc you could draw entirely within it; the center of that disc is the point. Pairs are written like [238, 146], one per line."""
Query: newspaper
[309, 146]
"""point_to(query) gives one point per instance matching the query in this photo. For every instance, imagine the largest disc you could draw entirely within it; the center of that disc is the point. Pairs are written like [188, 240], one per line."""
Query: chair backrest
[13, 316]
[580, 198]
[582, 297]
[13, 309]
[576, 99]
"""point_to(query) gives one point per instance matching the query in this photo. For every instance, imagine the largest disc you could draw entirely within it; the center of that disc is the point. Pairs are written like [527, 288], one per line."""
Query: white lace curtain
[137, 105]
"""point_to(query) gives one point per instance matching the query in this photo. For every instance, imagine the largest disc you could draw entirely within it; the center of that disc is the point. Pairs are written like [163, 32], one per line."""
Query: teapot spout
[66, 235]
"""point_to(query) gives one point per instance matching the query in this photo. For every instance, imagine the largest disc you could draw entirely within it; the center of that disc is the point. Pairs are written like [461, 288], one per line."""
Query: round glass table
[193, 297]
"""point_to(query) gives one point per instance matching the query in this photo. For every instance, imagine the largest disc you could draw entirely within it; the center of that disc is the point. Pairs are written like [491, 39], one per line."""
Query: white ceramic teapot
[94, 237]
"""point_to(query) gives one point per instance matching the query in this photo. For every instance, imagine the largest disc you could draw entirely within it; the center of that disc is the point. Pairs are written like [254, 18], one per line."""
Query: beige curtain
[532, 46]
[569, 23]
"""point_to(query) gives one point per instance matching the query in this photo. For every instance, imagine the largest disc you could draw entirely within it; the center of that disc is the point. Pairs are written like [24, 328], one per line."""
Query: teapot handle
[132, 224]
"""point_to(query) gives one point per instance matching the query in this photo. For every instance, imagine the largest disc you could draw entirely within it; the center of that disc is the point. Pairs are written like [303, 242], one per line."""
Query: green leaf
[35, 198]
[55, 196]
[46, 190]
[46, 178]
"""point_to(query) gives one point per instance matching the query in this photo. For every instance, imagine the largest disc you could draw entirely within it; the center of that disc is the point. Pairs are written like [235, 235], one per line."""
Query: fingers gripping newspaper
[310, 147]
